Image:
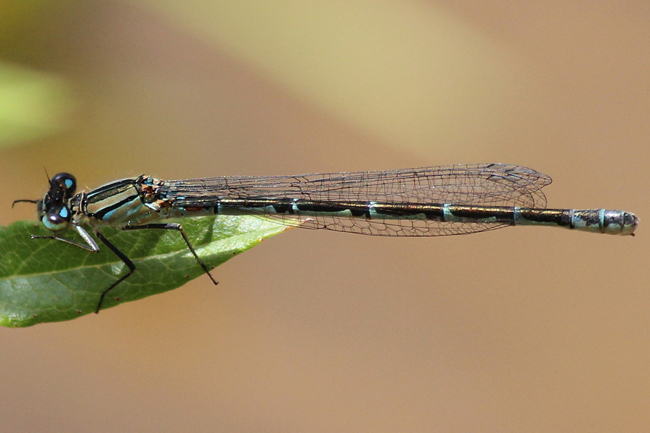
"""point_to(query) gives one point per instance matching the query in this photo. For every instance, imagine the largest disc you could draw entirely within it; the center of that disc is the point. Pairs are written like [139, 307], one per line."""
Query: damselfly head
[53, 209]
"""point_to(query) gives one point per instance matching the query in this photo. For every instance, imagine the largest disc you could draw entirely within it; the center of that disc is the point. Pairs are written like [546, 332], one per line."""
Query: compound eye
[65, 182]
[57, 218]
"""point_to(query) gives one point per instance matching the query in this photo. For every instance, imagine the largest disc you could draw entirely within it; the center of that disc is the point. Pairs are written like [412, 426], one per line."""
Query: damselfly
[430, 201]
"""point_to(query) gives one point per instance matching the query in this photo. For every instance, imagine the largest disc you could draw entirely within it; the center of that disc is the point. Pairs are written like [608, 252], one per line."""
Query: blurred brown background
[525, 329]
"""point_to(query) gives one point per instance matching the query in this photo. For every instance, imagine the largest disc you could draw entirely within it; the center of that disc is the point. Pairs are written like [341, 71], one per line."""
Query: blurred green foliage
[33, 104]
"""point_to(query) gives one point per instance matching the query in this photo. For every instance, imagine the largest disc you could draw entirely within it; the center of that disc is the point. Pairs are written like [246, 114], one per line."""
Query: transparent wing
[474, 185]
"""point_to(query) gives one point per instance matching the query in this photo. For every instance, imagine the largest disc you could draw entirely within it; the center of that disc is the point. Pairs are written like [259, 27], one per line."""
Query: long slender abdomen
[613, 222]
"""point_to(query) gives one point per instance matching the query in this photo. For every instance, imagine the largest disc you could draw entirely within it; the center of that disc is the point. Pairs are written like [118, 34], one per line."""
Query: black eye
[57, 218]
[64, 182]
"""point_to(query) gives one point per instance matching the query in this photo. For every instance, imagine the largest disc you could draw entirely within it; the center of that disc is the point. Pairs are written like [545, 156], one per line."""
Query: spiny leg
[92, 247]
[124, 259]
[90, 244]
[177, 227]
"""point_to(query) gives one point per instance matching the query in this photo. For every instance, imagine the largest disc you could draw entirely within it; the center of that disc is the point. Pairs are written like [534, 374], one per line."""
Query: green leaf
[43, 280]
